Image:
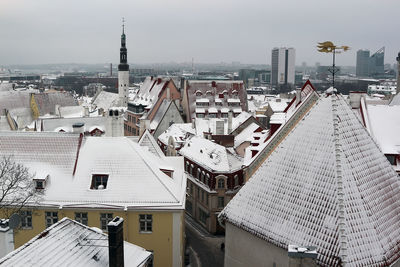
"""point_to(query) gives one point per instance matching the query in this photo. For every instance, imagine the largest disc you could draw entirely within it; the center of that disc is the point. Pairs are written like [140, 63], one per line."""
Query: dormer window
[40, 183]
[99, 181]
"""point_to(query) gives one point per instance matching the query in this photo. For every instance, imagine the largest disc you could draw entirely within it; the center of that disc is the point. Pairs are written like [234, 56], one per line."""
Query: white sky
[210, 31]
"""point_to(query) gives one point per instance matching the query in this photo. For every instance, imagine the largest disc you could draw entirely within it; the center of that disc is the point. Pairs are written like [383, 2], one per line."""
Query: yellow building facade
[94, 179]
[160, 240]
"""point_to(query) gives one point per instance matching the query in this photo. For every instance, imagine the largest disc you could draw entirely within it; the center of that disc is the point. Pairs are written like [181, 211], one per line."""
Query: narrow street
[205, 249]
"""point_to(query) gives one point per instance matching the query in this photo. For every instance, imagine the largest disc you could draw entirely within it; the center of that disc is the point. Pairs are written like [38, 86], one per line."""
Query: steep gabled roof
[147, 140]
[69, 243]
[294, 197]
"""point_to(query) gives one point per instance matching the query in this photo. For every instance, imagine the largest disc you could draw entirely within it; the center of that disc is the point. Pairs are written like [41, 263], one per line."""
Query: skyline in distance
[40, 32]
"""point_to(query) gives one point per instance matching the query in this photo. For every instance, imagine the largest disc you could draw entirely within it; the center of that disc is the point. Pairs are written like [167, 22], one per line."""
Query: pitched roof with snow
[105, 100]
[134, 174]
[178, 131]
[293, 197]
[69, 243]
[210, 155]
[150, 91]
[90, 123]
[395, 100]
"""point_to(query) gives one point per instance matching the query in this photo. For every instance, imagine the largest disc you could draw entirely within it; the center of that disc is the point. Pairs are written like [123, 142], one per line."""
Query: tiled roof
[105, 100]
[210, 155]
[69, 243]
[395, 100]
[56, 124]
[147, 140]
[135, 178]
[47, 101]
[293, 197]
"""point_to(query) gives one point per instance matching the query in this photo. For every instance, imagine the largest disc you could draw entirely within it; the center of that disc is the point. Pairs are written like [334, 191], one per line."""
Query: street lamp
[329, 47]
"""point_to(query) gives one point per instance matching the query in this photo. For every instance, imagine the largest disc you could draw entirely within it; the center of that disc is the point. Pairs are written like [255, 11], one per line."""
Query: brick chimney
[116, 242]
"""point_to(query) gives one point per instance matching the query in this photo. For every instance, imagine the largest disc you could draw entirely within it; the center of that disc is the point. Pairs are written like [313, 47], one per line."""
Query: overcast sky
[210, 31]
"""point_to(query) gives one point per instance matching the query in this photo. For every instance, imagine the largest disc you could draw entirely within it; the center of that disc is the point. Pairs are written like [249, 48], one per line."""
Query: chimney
[116, 242]
[78, 128]
[86, 109]
[298, 97]
[194, 124]
[302, 256]
[229, 121]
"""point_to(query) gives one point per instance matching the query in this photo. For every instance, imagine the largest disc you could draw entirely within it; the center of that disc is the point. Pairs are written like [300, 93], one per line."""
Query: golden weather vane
[329, 47]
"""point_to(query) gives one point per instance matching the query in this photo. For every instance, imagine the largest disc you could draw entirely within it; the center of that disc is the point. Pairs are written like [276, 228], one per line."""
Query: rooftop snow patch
[292, 197]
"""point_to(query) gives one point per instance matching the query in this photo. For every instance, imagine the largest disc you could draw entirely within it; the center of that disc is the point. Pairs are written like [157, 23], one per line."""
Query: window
[26, 218]
[99, 181]
[191, 188]
[207, 199]
[105, 218]
[146, 222]
[221, 183]
[391, 159]
[198, 193]
[224, 115]
[187, 166]
[39, 184]
[236, 178]
[198, 173]
[51, 218]
[202, 176]
[207, 178]
[81, 217]
[202, 196]
[189, 207]
[200, 115]
[191, 169]
[221, 202]
[203, 216]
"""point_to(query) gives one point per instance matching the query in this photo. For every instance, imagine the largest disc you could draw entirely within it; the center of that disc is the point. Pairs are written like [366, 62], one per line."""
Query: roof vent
[201, 150]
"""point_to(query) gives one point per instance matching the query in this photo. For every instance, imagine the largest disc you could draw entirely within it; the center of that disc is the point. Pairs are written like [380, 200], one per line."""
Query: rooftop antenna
[123, 25]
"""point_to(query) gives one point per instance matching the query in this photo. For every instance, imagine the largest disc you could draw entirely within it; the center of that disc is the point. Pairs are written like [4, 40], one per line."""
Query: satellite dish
[14, 221]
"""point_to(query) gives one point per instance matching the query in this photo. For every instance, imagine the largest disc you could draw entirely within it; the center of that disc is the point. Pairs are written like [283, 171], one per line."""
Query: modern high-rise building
[283, 66]
[362, 63]
[123, 72]
[376, 63]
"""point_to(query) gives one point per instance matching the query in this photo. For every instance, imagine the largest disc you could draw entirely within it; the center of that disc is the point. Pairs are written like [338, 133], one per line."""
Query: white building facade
[283, 66]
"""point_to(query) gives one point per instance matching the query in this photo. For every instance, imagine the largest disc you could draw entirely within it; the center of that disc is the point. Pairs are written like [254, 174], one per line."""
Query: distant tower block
[398, 73]
[123, 71]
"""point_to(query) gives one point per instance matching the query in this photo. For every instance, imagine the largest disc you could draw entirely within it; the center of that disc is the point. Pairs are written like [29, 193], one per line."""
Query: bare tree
[16, 186]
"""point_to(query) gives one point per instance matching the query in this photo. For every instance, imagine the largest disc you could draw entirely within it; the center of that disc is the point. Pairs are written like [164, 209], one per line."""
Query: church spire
[123, 54]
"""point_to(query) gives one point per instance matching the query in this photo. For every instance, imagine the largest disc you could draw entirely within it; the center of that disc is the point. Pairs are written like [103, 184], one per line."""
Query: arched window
[191, 169]
[221, 183]
[187, 166]
[236, 179]
[207, 179]
[202, 176]
[198, 173]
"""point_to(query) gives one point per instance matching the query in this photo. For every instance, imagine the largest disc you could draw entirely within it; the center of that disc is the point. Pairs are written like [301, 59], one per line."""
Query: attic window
[170, 173]
[40, 183]
[99, 181]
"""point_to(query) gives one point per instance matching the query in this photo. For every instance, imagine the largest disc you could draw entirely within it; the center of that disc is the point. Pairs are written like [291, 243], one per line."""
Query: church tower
[123, 71]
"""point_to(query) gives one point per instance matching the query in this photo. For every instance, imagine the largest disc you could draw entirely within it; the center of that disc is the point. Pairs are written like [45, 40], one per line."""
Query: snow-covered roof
[210, 155]
[146, 186]
[246, 134]
[69, 243]
[147, 140]
[55, 124]
[160, 113]
[105, 100]
[150, 91]
[178, 131]
[384, 125]
[293, 197]
[395, 100]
